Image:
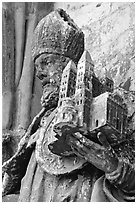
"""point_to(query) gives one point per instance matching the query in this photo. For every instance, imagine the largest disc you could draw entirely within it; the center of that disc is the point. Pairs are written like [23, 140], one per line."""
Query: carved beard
[50, 95]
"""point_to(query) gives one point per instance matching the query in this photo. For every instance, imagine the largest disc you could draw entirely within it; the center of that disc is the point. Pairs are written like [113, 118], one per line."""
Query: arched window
[96, 123]
[64, 115]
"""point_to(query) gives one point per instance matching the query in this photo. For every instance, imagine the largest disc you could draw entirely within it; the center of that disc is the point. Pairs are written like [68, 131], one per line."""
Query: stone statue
[74, 169]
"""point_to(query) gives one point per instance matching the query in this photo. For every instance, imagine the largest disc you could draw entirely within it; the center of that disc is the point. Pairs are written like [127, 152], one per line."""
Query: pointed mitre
[58, 34]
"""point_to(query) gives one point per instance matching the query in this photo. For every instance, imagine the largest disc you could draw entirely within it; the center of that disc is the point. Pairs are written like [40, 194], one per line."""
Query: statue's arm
[14, 169]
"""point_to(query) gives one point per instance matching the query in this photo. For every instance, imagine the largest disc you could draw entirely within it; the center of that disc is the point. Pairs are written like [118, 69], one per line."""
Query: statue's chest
[52, 163]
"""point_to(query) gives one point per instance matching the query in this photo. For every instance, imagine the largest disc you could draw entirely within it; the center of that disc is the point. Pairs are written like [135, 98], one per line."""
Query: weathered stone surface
[57, 33]
[8, 54]
[11, 198]
[24, 90]
[35, 102]
[109, 35]
[19, 15]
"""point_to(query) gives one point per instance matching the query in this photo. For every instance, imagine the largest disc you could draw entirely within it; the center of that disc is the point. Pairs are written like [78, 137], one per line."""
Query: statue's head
[56, 40]
[58, 34]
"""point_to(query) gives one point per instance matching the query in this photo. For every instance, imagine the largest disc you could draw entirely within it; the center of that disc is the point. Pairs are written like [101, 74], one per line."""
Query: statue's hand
[101, 156]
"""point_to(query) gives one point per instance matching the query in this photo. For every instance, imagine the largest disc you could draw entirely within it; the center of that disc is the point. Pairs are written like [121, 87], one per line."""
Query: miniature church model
[109, 114]
[107, 84]
[83, 92]
[68, 82]
[99, 109]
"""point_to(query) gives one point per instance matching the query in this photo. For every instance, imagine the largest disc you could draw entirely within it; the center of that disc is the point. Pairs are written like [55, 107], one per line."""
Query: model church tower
[107, 83]
[83, 92]
[97, 107]
[68, 82]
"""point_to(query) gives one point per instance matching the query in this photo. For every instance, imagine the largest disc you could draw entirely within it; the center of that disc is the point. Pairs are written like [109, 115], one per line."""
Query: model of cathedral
[83, 91]
[98, 107]
[68, 82]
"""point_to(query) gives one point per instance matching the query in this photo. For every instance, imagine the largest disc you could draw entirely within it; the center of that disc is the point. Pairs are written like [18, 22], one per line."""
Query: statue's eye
[45, 62]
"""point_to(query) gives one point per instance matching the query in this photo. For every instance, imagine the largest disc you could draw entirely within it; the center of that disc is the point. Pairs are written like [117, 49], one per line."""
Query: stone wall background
[109, 30]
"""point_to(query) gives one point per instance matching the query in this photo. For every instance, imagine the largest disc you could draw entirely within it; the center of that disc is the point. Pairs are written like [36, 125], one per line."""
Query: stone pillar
[8, 65]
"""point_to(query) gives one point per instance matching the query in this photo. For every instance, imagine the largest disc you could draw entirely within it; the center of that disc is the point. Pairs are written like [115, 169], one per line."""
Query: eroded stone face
[49, 69]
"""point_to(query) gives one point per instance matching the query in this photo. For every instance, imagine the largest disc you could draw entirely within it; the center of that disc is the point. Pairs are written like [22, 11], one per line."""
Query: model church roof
[86, 58]
[70, 65]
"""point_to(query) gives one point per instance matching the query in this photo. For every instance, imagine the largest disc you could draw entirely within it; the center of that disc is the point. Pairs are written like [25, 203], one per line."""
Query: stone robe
[84, 184]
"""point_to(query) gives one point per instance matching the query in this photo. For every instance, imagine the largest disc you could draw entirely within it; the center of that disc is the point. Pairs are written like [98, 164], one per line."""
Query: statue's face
[49, 68]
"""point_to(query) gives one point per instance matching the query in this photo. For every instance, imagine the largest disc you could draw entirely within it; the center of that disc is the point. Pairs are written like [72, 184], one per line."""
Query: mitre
[58, 34]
